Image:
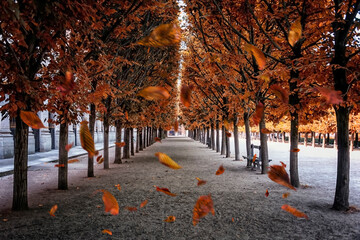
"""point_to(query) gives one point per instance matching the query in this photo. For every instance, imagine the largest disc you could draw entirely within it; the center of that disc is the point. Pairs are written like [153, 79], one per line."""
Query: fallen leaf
[118, 187]
[110, 203]
[53, 210]
[232, 219]
[121, 144]
[279, 175]
[107, 231]
[170, 219]
[220, 171]
[59, 165]
[31, 119]
[166, 191]
[200, 182]
[258, 55]
[73, 160]
[87, 142]
[295, 150]
[265, 131]
[267, 193]
[131, 209]
[295, 32]
[68, 146]
[280, 93]
[154, 93]
[162, 36]
[143, 204]
[167, 161]
[157, 139]
[254, 158]
[202, 207]
[285, 195]
[294, 211]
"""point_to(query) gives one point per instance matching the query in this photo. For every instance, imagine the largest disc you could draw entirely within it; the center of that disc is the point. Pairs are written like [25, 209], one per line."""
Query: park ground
[242, 211]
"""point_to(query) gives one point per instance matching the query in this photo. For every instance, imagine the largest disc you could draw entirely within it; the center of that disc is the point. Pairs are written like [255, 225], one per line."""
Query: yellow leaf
[258, 55]
[87, 142]
[295, 32]
[167, 161]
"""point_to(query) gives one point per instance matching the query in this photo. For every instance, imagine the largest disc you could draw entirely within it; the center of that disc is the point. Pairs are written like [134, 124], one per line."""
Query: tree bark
[106, 141]
[223, 140]
[212, 136]
[236, 138]
[132, 141]
[264, 147]
[20, 199]
[141, 139]
[127, 143]
[118, 140]
[208, 139]
[248, 138]
[63, 157]
[313, 139]
[217, 136]
[137, 140]
[92, 118]
[323, 140]
[306, 139]
[283, 137]
[294, 143]
[144, 135]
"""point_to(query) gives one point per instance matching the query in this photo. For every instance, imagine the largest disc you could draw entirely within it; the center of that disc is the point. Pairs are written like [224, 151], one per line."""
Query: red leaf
[220, 171]
[154, 93]
[118, 187]
[185, 95]
[200, 182]
[162, 36]
[157, 139]
[280, 93]
[59, 165]
[165, 190]
[295, 150]
[131, 209]
[170, 219]
[279, 175]
[259, 112]
[294, 211]
[228, 134]
[267, 193]
[110, 203]
[68, 146]
[202, 207]
[107, 231]
[121, 144]
[143, 204]
[73, 160]
[31, 119]
[167, 161]
[331, 96]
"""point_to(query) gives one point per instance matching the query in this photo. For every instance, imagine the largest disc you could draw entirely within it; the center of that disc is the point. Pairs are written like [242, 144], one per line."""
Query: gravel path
[238, 194]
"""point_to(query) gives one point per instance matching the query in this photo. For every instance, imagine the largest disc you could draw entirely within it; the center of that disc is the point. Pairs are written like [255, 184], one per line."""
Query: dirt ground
[238, 194]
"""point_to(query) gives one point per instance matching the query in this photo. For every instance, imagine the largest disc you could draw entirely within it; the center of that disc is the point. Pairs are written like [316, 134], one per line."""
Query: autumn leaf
[68, 84]
[53, 210]
[68, 146]
[131, 209]
[100, 159]
[73, 160]
[280, 93]
[227, 124]
[170, 219]
[118, 187]
[59, 165]
[228, 134]
[107, 231]
[295, 150]
[120, 144]
[258, 55]
[162, 36]
[295, 32]
[110, 203]
[294, 211]
[167, 161]
[87, 142]
[176, 126]
[232, 219]
[220, 171]
[165, 190]
[283, 164]
[202, 207]
[185, 95]
[200, 182]
[154, 93]
[143, 204]
[259, 112]
[331, 96]
[285, 195]
[254, 158]
[279, 175]
[126, 116]
[157, 139]
[267, 193]
[265, 131]
[31, 119]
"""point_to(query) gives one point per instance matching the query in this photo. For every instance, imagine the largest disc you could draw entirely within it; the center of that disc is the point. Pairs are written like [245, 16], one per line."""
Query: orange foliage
[111, 205]
[279, 175]
[73, 160]
[167, 161]
[154, 93]
[170, 219]
[68, 146]
[200, 182]
[121, 144]
[31, 119]
[53, 210]
[294, 211]
[59, 165]
[143, 204]
[163, 36]
[166, 191]
[202, 207]
[107, 231]
[220, 171]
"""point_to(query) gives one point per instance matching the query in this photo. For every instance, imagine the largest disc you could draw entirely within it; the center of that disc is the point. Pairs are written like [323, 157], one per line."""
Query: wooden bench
[257, 163]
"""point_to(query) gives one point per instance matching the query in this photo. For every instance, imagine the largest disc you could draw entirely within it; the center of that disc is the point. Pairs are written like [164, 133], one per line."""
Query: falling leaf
[162, 36]
[200, 182]
[167, 161]
[220, 171]
[166, 191]
[176, 126]
[31, 119]
[295, 32]
[283, 164]
[118, 187]
[279, 175]
[331, 96]
[157, 139]
[294, 211]
[185, 95]
[5, 219]
[131, 209]
[154, 93]
[111, 205]
[228, 134]
[202, 207]
[232, 219]
[258, 55]
[107, 231]
[254, 158]
[227, 124]
[143, 204]
[285, 195]
[126, 116]
[295, 150]
[87, 142]
[259, 112]
[267, 193]
[280, 93]
[59, 165]
[68, 84]
[73, 160]
[265, 131]
[170, 219]
[120, 144]
[68, 146]
[53, 210]
[99, 159]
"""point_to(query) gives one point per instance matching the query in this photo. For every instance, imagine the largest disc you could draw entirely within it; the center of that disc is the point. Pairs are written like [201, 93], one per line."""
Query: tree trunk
[236, 139]
[140, 138]
[137, 140]
[223, 140]
[208, 139]
[63, 157]
[132, 141]
[127, 143]
[217, 136]
[277, 137]
[212, 136]
[227, 144]
[283, 137]
[323, 140]
[328, 139]
[106, 141]
[336, 141]
[319, 140]
[294, 143]
[313, 139]
[248, 138]
[92, 118]
[306, 139]
[264, 147]
[352, 142]
[20, 200]
[118, 140]
[144, 137]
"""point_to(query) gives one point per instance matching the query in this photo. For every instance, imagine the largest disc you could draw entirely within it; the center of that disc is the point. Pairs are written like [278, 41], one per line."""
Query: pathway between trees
[241, 209]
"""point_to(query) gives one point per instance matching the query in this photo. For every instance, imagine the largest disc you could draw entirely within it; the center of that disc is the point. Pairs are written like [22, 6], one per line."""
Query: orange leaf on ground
[232, 219]
[228, 134]
[279, 175]
[267, 193]
[331, 96]
[162, 36]
[110, 203]
[254, 158]
[220, 171]
[265, 131]
[107, 231]
[31, 119]
[295, 32]
[143, 204]
[167, 161]
[118, 187]
[294, 211]
[131, 209]
[295, 150]
[176, 126]
[68, 146]
[258, 55]
[185, 95]
[53, 210]
[73, 160]
[170, 219]
[99, 159]
[285, 195]
[121, 144]
[59, 165]
[200, 182]
[202, 207]
[280, 93]
[259, 112]
[165, 190]
[87, 142]
[154, 93]
[157, 139]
